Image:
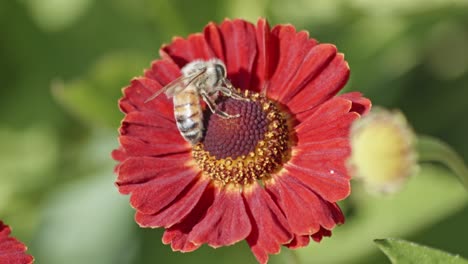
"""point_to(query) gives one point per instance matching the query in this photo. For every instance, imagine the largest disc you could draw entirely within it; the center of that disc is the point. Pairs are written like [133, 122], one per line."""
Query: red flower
[12, 251]
[271, 176]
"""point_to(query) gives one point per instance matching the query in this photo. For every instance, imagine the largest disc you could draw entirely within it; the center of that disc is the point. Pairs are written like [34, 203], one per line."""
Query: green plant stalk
[434, 150]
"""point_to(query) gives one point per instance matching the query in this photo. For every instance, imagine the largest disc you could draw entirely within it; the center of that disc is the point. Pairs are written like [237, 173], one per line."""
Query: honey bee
[200, 78]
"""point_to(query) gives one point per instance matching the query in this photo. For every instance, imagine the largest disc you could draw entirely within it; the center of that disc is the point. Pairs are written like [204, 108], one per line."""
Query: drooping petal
[12, 251]
[183, 51]
[301, 241]
[225, 223]
[317, 237]
[152, 182]
[291, 51]
[177, 235]
[270, 228]
[177, 210]
[267, 57]
[305, 211]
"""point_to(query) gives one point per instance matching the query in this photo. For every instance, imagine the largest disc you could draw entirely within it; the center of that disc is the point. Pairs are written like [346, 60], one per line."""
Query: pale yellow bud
[383, 150]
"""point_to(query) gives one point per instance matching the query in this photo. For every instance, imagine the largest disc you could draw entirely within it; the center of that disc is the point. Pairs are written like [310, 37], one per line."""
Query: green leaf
[94, 97]
[405, 252]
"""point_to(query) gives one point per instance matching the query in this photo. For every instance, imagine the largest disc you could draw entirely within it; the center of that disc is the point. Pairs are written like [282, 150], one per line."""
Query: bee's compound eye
[220, 70]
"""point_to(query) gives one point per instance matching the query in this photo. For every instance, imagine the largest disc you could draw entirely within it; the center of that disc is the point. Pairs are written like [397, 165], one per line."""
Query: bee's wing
[177, 85]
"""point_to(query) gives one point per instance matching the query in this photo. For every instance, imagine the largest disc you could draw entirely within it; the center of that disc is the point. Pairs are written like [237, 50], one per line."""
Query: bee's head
[220, 70]
[218, 67]
[215, 73]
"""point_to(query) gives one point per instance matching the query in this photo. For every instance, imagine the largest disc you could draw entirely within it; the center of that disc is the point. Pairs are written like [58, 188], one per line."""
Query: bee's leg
[214, 108]
[229, 91]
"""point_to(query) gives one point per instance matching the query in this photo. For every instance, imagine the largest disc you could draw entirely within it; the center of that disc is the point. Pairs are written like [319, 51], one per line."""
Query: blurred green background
[63, 64]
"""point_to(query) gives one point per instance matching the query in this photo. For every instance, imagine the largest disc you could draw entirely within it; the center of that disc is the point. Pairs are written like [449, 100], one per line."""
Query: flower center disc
[246, 148]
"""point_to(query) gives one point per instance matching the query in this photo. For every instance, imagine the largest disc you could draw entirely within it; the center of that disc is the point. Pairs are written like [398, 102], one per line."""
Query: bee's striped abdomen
[189, 116]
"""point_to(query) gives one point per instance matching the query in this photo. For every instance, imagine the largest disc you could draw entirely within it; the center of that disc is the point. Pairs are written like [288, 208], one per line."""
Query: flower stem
[434, 150]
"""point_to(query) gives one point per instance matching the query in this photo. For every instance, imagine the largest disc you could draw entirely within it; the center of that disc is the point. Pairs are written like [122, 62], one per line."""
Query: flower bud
[383, 153]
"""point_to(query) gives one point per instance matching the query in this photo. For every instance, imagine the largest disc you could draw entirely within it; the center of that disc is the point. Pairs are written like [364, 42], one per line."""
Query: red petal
[267, 57]
[150, 197]
[183, 51]
[270, 228]
[325, 85]
[326, 185]
[15, 258]
[304, 210]
[325, 157]
[119, 154]
[136, 170]
[299, 241]
[240, 51]
[163, 71]
[12, 251]
[176, 211]
[139, 147]
[214, 39]
[177, 235]
[225, 223]
[292, 49]
[317, 237]
[332, 119]
[313, 64]
[147, 134]
[10, 245]
[140, 89]
[319, 157]
[136, 95]
[148, 119]
[360, 105]
[153, 182]
[178, 239]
